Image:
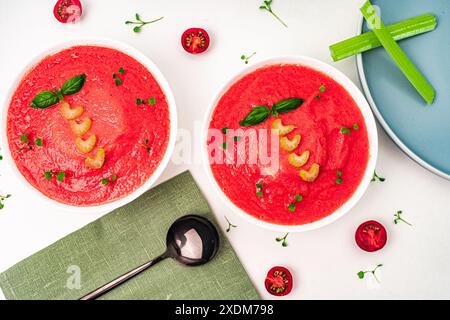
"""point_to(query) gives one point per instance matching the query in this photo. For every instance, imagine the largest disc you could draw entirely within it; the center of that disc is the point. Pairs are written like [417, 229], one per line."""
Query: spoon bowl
[192, 240]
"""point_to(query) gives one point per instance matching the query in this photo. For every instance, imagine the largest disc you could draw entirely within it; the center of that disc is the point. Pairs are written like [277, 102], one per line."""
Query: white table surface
[324, 262]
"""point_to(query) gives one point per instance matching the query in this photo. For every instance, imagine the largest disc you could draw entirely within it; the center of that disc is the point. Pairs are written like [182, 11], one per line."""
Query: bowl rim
[159, 77]
[360, 101]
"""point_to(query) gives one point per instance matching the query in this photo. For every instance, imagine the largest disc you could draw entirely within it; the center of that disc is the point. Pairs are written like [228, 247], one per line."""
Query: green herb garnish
[292, 205]
[246, 58]
[121, 71]
[355, 126]
[267, 6]
[362, 274]
[367, 41]
[345, 130]
[2, 199]
[256, 116]
[260, 114]
[398, 218]
[150, 101]
[283, 240]
[224, 145]
[339, 179]
[236, 138]
[322, 88]
[117, 80]
[259, 187]
[59, 176]
[140, 23]
[25, 139]
[147, 146]
[106, 181]
[48, 98]
[224, 130]
[377, 177]
[230, 225]
[399, 57]
[48, 175]
[39, 142]
[287, 105]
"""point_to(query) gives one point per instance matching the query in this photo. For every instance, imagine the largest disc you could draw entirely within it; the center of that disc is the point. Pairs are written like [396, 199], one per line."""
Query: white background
[324, 262]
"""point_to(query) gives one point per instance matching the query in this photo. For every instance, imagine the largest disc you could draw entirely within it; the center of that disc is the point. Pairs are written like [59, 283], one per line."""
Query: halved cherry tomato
[67, 10]
[195, 40]
[279, 281]
[371, 236]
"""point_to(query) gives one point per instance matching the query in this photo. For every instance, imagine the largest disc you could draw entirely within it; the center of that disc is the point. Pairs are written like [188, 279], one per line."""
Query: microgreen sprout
[247, 58]
[140, 23]
[362, 274]
[283, 240]
[259, 188]
[2, 199]
[292, 205]
[267, 6]
[230, 225]
[339, 179]
[345, 130]
[151, 101]
[29, 143]
[146, 145]
[398, 218]
[118, 81]
[111, 180]
[60, 176]
[376, 177]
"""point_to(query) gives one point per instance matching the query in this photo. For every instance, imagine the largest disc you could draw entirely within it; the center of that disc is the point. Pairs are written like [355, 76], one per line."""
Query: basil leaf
[73, 85]
[44, 100]
[287, 105]
[258, 115]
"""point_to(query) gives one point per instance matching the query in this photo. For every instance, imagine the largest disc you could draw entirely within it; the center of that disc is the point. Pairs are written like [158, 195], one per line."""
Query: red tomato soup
[134, 137]
[332, 130]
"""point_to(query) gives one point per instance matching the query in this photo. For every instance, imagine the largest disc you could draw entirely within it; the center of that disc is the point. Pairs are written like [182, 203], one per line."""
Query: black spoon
[191, 240]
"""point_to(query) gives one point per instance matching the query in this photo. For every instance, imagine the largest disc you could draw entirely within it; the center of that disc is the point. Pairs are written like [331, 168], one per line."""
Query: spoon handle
[119, 280]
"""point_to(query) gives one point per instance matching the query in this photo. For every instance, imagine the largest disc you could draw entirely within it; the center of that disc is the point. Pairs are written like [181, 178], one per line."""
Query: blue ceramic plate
[421, 131]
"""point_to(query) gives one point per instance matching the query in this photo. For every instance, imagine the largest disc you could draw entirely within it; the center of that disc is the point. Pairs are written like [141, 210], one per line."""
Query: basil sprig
[44, 99]
[47, 98]
[286, 105]
[259, 114]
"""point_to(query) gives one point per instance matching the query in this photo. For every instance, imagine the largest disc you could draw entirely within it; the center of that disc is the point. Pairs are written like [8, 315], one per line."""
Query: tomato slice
[195, 40]
[279, 281]
[67, 10]
[371, 236]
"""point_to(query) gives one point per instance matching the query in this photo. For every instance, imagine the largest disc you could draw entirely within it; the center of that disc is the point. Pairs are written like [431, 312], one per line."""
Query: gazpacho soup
[287, 144]
[88, 125]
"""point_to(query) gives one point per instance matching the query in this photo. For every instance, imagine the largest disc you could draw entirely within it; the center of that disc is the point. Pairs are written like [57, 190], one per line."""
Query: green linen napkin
[122, 240]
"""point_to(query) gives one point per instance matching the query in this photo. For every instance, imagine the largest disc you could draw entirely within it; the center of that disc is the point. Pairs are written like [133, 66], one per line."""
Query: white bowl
[361, 103]
[172, 114]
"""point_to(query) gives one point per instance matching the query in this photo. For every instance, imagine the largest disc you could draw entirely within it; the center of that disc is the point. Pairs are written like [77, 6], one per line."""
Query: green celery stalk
[368, 40]
[402, 61]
